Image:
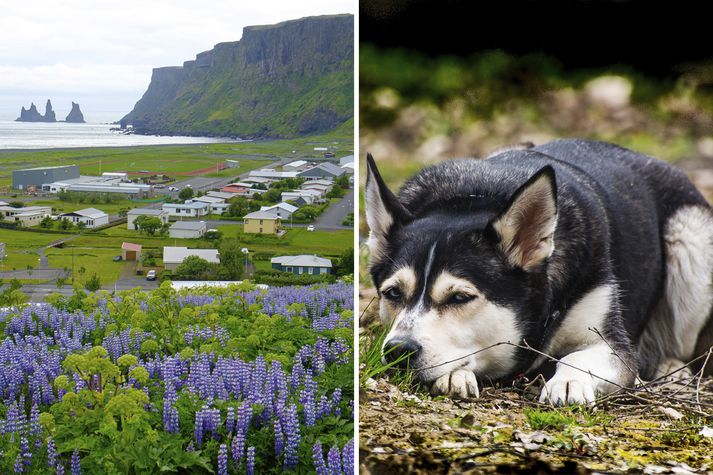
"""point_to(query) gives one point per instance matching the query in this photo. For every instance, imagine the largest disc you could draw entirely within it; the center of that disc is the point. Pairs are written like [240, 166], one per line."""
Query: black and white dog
[591, 253]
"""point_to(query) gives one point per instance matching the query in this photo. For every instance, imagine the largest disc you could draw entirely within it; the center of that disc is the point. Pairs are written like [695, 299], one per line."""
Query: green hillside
[286, 80]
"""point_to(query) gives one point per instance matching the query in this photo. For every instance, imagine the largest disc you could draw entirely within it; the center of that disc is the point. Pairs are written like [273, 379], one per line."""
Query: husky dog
[584, 251]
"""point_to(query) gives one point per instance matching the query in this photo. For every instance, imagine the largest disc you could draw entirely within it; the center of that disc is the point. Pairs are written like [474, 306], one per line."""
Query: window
[261, 222]
[301, 269]
[288, 269]
[310, 270]
[322, 270]
[260, 230]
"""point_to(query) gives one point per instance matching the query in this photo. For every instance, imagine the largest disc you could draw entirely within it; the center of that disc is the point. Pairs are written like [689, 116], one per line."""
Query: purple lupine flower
[223, 460]
[237, 447]
[59, 469]
[250, 464]
[76, 465]
[348, 458]
[51, 453]
[25, 453]
[318, 460]
[198, 429]
[291, 426]
[19, 466]
[190, 447]
[334, 461]
[230, 420]
[279, 438]
[336, 400]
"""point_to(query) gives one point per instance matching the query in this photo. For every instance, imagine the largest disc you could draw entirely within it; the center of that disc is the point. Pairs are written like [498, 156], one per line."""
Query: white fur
[582, 374]
[460, 383]
[589, 312]
[378, 218]
[674, 328]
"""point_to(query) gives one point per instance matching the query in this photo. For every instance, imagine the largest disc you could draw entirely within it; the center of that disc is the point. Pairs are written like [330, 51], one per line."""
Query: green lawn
[93, 260]
[173, 160]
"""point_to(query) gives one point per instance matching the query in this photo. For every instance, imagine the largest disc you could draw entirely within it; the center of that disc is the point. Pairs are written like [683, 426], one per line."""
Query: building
[234, 189]
[260, 222]
[152, 212]
[257, 180]
[34, 178]
[26, 216]
[310, 196]
[280, 210]
[272, 174]
[323, 189]
[302, 264]
[174, 256]
[325, 171]
[297, 165]
[187, 229]
[130, 251]
[349, 168]
[215, 205]
[91, 217]
[186, 210]
[221, 194]
[346, 159]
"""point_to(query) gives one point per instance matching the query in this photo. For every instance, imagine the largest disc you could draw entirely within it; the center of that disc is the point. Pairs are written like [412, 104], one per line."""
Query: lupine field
[210, 381]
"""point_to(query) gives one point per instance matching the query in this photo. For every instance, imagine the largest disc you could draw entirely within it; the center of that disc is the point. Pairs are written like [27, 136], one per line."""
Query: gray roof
[87, 213]
[178, 254]
[189, 225]
[303, 260]
[260, 215]
[147, 211]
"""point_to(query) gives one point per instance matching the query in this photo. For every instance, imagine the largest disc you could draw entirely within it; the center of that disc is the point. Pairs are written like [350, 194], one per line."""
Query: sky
[100, 53]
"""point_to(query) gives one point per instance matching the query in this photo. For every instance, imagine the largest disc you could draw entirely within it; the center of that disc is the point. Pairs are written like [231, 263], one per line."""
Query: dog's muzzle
[401, 352]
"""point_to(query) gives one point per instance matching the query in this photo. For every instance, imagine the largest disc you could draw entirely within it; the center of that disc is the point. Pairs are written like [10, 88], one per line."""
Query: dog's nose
[400, 351]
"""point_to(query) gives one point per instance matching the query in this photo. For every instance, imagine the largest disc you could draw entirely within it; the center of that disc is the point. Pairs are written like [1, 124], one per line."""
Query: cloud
[102, 47]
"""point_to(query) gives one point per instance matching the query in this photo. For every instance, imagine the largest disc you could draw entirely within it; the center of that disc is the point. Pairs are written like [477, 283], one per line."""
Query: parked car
[151, 275]
[117, 258]
[172, 188]
[310, 227]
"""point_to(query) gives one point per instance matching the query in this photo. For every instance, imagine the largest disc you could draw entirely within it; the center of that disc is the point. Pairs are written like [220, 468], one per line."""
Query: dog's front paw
[573, 388]
[459, 384]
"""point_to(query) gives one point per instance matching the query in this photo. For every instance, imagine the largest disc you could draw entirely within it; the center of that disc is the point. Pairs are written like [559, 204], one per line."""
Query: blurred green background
[450, 79]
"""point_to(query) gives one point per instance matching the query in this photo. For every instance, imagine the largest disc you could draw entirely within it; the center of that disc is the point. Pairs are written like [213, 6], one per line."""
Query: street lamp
[245, 251]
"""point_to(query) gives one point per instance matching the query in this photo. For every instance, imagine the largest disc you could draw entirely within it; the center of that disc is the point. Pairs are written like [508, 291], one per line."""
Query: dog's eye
[393, 294]
[460, 298]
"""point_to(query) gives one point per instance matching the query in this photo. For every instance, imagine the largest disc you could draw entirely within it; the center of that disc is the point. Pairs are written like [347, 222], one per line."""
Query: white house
[281, 210]
[174, 256]
[91, 217]
[216, 205]
[187, 210]
[26, 216]
[310, 196]
[323, 189]
[273, 174]
[302, 264]
[221, 194]
[152, 212]
[187, 229]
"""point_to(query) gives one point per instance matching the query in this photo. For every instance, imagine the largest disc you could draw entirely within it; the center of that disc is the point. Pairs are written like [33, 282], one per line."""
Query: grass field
[174, 160]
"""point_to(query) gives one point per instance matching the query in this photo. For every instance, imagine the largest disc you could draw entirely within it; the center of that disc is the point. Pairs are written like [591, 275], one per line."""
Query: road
[331, 219]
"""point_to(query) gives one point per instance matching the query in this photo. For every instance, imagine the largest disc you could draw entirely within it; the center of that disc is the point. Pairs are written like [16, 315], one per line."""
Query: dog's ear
[383, 210]
[524, 230]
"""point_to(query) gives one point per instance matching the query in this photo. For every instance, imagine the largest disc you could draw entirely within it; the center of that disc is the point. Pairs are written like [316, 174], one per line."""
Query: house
[26, 216]
[174, 256]
[216, 205]
[326, 171]
[130, 251]
[349, 168]
[187, 229]
[221, 194]
[302, 264]
[152, 212]
[257, 180]
[261, 222]
[310, 196]
[280, 210]
[323, 189]
[187, 210]
[346, 160]
[91, 217]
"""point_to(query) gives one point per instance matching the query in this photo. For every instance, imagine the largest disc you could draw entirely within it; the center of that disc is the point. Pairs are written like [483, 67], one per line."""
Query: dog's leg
[582, 374]
[672, 334]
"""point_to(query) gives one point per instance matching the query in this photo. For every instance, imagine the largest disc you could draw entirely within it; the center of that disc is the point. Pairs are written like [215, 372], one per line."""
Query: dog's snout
[401, 351]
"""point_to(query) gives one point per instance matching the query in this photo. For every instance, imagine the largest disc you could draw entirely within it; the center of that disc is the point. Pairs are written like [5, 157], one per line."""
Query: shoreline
[64, 149]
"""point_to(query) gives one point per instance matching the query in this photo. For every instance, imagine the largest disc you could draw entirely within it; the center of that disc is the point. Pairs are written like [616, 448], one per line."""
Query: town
[280, 221]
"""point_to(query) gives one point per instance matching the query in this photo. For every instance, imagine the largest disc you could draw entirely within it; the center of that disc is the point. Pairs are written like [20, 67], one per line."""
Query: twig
[365, 309]
[700, 375]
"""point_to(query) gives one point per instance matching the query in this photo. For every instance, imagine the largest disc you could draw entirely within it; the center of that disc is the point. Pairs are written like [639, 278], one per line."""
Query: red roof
[128, 246]
[233, 189]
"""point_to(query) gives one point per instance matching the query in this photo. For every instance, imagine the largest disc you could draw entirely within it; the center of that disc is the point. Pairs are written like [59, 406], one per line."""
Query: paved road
[333, 216]
[38, 292]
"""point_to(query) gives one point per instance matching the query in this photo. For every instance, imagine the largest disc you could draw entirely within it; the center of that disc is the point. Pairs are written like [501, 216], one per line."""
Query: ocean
[37, 135]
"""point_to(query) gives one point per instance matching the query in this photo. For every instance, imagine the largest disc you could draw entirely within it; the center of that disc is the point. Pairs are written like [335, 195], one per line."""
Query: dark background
[657, 38]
